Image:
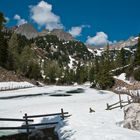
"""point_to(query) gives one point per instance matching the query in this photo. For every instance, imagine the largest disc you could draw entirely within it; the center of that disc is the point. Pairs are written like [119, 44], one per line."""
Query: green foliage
[52, 71]
[120, 58]
[137, 74]
[27, 64]
[137, 54]
[92, 74]
[104, 80]
[69, 77]
[33, 71]
[2, 21]
[81, 74]
[3, 51]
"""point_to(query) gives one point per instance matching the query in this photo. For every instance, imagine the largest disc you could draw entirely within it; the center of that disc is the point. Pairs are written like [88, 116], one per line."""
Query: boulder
[132, 116]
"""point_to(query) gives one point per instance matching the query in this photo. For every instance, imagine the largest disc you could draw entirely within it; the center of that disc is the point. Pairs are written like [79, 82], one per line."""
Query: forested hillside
[52, 60]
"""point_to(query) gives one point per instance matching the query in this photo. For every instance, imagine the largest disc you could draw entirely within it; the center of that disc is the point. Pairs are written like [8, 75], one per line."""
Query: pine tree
[137, 54]
[103, 78]
[33, 71]
[52, 70]
[92, 74]
[3, 51]
[2, 21]
[3, 43]
[121, 58]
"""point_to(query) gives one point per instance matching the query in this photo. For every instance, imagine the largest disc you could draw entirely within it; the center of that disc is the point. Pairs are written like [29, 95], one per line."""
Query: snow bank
[14, 85]
[82, 125]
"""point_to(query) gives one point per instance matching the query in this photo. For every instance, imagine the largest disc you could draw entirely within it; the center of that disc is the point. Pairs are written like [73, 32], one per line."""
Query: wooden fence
[27, 119]
[120, 104]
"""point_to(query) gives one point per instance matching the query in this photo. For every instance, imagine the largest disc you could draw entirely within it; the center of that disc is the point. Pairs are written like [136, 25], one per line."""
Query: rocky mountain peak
[27, 30]
[61, 34]
[132, 41]
[44, 32]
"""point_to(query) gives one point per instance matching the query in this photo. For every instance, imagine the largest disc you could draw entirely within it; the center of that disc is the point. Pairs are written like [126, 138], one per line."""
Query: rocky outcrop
[131, 42]
[7, 76]
[27, 30]
[132, 116]
[44, 32]
[61, 34]
[30, 32]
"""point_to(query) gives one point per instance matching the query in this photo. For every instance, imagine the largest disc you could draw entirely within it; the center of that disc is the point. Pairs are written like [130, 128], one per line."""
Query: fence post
[62, 112]
[120, 100]
[128, 100]
[107, 106]
[26, 121]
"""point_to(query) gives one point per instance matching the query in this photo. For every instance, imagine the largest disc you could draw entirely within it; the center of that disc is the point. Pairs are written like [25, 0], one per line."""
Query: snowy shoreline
[82, 125]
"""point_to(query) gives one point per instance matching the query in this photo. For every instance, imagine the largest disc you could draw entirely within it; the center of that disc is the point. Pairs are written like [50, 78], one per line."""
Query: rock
[132, 116]
[37, 135]
[61, 34]
[27, 30]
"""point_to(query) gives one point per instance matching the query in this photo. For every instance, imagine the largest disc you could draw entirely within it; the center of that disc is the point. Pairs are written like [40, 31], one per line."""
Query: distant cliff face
[131, 42]
[30, 32]
[27, 30]
[61, 34]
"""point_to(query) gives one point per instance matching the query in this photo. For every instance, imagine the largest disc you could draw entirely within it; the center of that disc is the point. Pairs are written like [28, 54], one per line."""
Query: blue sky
[94, 21]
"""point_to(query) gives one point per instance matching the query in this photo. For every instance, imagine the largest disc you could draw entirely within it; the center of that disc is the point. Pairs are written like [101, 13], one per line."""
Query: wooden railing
[120, 104]
[27, 119]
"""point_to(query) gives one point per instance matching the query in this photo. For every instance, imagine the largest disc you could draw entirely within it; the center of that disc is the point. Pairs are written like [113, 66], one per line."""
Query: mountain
[61, 34]
[30, 32]
[27, 30]
[56, 57]
[130, 43]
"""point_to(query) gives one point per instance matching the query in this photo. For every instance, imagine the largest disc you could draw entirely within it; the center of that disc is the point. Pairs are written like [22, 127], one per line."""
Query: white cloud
[20, 21]
[42, 14]
[7, 19]
[101, 39]
[76, 31]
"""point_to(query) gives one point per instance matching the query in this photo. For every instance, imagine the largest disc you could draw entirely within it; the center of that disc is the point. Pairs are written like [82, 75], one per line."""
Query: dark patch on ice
[60, 95]
[78, 90]
[23, 96]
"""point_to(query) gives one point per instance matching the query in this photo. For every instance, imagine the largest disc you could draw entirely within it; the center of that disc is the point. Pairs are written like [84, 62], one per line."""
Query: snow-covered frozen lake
[82, 125]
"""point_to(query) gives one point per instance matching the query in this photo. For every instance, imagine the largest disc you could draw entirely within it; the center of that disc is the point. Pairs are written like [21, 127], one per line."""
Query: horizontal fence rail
[119, 104]
[28, 126]
[15, 128]
[17, 120]
[45, 115]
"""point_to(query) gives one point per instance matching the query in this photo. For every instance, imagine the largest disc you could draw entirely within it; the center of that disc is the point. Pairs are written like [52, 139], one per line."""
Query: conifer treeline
[35, 59]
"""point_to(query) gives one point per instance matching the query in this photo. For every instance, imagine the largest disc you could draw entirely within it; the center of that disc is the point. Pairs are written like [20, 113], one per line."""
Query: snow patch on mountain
[123, 78]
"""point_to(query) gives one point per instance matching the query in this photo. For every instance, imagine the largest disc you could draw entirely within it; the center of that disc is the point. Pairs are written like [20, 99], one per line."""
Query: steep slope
[60, 50]
[27, 30]
[130, 43]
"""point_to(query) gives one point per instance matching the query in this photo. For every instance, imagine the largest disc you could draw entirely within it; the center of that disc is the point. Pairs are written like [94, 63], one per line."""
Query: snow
[82, 125]
[122, 77]
[119, 68]
[90, 50]
[71, 62]
[99, 52]
[14, 85]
